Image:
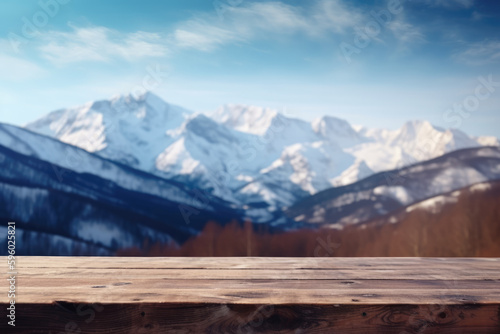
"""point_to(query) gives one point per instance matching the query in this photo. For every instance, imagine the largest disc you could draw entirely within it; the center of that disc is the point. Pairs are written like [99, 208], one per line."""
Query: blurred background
[250, 128]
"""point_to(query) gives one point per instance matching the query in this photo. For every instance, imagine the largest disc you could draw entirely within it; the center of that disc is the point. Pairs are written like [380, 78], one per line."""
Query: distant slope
[463, 223]
[68, 159]
[384, 192]
[91, 215]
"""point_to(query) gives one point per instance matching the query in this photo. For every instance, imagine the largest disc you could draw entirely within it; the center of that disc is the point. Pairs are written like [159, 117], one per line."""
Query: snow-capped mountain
[249, 119]
[309, 165]
[127, 129]
[67, 201]
[487, 141]
[357, 171]
[385, 192]
[415, 141]
[338, 131]
[70, 159]
[208, 154]
[245, 154]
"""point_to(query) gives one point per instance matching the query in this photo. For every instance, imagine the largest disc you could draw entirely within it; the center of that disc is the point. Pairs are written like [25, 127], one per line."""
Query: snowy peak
[310, 166]
[487, 141]
[336, 130]
[244, 154]
[414, 131]
[147, 105]
[126, 128]
[418, 130]
[415, 127]
[144, 108]
[357, 171]
[415, 141]
[80, 126]
[250, 119]
[148, 98]
[265, 122]
[274, 130]
[381, 193]
[424, 141]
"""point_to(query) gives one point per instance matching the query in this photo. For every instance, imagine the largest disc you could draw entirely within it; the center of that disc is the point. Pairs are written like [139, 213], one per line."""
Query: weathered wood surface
[255, 295]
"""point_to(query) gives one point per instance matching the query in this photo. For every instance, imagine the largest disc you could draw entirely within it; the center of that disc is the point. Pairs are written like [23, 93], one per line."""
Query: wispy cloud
[100, 44]
[204, 32]
[246, 23]
[335, 16]
[254, 20]
[205, 37]
[486, 52]
[406, 32]
[274, 17]
[451, 4]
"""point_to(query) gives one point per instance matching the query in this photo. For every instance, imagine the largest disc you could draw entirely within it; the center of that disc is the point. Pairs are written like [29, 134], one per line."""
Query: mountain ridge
[386, 191]
[240, 152]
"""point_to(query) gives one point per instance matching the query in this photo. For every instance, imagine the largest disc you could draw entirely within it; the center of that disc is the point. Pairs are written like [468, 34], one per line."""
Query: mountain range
[385, 192]
[66, 201]
[130, 170]
[247, 155]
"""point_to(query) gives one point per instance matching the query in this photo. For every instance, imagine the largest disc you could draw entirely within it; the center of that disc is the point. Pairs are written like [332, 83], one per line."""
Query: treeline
[469, 227]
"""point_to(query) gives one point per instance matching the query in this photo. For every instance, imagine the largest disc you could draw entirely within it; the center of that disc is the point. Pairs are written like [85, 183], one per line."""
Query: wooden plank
[255, 262]
[143, 283]
[298, 274]
[256, 295]
[264, 296]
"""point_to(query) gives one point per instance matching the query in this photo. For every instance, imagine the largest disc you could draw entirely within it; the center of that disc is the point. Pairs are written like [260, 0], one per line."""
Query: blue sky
[421, 61]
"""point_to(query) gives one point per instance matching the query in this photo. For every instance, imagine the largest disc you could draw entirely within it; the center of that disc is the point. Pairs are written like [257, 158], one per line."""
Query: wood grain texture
[256, 295]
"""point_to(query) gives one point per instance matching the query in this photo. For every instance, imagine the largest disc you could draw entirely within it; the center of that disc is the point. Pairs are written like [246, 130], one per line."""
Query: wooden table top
[298, 295]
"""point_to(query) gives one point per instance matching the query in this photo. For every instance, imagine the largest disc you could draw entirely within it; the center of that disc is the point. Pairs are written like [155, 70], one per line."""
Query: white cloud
[198, 35]
[100, 44]
[204, 32]
[274, 17]
[249, 21]
[483, 53]
[253, 20]
[335, 16]
[406, 32]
